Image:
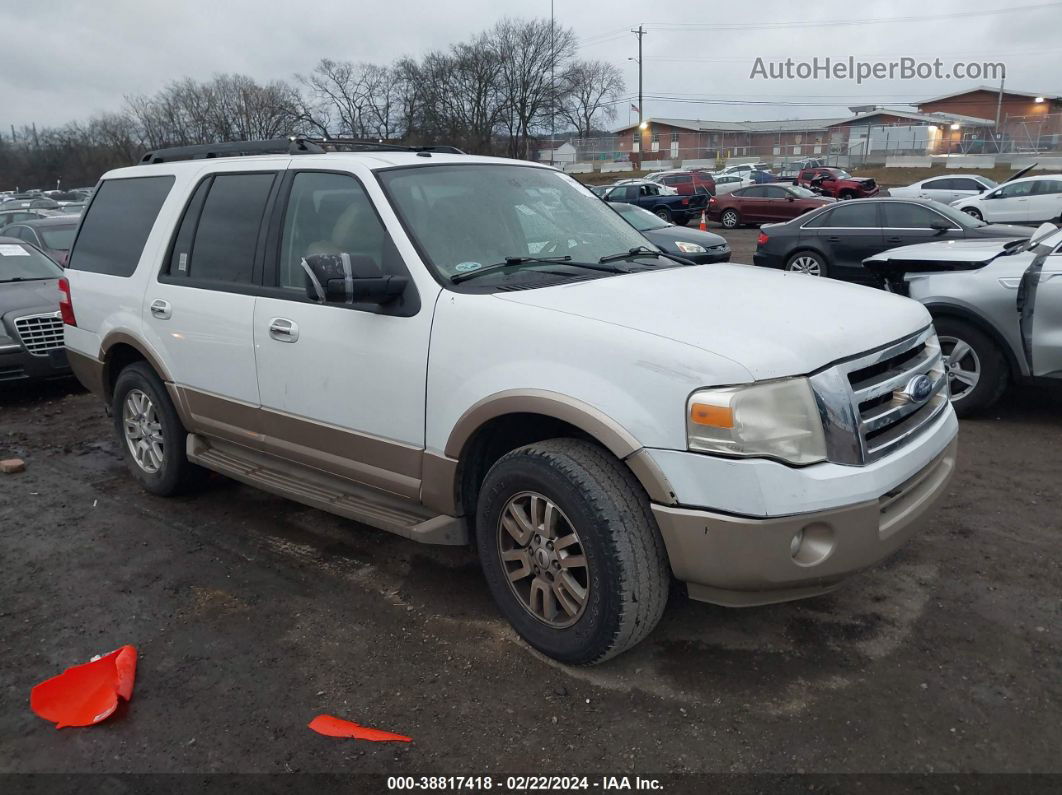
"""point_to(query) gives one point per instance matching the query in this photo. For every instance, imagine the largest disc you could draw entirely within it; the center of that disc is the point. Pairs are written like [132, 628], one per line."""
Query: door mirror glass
[349, 279]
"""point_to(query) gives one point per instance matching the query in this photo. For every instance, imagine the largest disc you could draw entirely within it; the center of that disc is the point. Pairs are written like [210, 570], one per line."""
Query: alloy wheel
[544, 560]
[806, 265]
[143, 431]
[962, 365]
[729, 219]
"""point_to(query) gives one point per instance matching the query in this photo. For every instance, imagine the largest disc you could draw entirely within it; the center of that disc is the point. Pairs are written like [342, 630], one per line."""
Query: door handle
[283, 330]
[161, 309]
[833, 239]
[894, 240]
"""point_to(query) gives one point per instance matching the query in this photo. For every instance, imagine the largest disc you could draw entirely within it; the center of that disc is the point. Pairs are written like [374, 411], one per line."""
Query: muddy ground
[253, 614]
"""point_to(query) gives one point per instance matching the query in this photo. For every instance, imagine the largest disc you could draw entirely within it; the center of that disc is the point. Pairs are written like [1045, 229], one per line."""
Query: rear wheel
[977, 371]
[730, 219]
[663, 213]
[808, 263]
[846, 195]
[150, 433]
[570, 550]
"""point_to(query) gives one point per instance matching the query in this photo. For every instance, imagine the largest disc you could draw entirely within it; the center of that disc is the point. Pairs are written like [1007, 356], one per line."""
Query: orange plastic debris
[331, 726]
[86, 694]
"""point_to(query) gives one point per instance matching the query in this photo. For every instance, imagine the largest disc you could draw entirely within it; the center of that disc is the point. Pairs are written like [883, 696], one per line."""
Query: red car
[837, 182]
[760, 204]
[687, 182]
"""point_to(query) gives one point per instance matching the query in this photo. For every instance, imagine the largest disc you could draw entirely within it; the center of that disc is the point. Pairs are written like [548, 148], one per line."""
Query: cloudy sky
[67, 61]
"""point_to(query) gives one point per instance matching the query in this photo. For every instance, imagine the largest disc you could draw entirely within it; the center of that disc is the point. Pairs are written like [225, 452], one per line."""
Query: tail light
[762, 239]
[712, 201]
[685, 202]
[66, 305]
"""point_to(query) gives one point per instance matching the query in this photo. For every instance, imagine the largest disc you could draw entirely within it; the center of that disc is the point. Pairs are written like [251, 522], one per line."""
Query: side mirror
[349, 279]
[789, 197]
[940, 226]
[981, 188]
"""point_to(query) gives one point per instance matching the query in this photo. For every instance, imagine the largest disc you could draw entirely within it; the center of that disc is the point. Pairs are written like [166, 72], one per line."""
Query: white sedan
[725, 183]
[1028, 200]
[945, 189]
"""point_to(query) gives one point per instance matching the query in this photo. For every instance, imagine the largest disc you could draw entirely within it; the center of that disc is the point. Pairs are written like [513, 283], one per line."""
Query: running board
[327, 492]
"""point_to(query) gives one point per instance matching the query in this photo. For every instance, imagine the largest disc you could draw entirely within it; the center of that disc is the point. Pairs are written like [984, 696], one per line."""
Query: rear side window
[856, 214]
[117, 224]
[226, 236]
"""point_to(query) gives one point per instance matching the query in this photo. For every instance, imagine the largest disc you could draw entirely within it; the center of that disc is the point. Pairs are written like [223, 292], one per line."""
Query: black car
[693, 244]
[53, 235]
[31, 327]
[834, 240]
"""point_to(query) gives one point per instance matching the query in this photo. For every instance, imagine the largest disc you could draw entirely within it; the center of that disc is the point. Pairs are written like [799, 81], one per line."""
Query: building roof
[699, 125]
[991, 90]
[928, 118]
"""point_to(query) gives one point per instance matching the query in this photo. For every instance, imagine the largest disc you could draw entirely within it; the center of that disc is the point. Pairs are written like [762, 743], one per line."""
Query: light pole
[641, 123]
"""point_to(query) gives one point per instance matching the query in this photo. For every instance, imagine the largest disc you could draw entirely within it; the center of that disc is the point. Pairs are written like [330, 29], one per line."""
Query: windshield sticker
[465, 267]
[13, 251]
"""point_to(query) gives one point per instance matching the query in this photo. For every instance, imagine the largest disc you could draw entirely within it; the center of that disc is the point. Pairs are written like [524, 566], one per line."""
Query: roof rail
[277, 146]
[293, 145]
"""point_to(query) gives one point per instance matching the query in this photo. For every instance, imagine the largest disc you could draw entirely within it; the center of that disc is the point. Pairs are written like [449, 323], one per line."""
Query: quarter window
[117, 223]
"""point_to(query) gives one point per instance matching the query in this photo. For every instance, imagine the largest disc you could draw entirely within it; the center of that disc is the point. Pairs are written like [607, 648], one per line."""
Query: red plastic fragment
[331, 726]
[86, 694]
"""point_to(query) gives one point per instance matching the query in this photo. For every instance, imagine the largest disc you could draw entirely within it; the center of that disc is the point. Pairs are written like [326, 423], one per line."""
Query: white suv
[470, 350]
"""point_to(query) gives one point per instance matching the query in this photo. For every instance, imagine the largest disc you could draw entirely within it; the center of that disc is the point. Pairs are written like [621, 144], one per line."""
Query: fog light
[812, 544]
[798, 539]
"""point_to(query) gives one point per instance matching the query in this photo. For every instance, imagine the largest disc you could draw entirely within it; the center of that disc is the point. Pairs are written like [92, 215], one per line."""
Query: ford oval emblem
[918, 389]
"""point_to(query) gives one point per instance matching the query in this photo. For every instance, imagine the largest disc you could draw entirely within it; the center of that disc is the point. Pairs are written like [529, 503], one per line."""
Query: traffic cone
[704, 222]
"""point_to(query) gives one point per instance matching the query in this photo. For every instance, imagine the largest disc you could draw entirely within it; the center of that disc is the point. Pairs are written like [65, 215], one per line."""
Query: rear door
[200, 310]
[939, 190]
[1045, 200]
[964, 188]
[850, 233]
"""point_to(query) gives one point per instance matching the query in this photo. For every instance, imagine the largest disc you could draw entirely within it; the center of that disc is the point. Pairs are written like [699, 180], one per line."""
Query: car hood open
[773, 323]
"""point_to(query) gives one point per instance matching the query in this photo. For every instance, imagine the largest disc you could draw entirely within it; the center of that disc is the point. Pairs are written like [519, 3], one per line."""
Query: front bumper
[708, 257]
[18, 366]
[740, 561]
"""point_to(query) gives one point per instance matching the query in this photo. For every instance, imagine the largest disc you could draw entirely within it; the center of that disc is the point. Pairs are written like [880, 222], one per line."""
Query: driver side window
[331, 214]
[1013, 190]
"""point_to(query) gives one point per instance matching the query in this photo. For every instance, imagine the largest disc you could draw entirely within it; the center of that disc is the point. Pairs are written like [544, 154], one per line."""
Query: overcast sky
[66, 61]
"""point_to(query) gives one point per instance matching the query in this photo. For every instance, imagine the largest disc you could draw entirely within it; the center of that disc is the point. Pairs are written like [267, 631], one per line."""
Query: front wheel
[977, 372]
[570, 550]
[730, 219]
[150, 433]
[973, 211]
[846, 195]
[663, 213]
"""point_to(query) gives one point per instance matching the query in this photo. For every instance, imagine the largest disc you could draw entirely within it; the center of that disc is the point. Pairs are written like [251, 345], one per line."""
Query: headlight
[690, 248]
[776, 419]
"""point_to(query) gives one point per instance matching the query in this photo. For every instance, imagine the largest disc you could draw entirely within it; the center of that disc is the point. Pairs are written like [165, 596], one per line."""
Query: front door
[1008, 203]
[1040, 303]
[907, 223]
[342, 386]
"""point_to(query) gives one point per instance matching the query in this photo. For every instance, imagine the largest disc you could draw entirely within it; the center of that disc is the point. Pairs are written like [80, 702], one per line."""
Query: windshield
[802, 193]
[988, 183]
[840, 173]
[23, 263]
[467, 217]
[640, 219]
[58, 238]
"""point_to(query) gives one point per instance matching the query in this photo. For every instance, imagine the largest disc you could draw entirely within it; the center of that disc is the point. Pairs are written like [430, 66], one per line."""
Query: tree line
[495, 93]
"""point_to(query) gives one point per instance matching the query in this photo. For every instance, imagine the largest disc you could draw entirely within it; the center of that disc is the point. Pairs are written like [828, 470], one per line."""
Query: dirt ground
[253, 614]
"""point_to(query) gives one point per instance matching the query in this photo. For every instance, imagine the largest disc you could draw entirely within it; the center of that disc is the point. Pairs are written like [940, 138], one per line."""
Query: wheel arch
[117, 352]
[511, 419]
[960, 313]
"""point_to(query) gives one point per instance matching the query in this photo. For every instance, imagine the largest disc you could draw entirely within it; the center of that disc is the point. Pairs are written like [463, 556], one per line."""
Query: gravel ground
[253, 614]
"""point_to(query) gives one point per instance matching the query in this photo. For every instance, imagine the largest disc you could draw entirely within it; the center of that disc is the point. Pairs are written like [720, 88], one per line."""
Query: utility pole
[999, 108]
[552, 89]
[640, 33]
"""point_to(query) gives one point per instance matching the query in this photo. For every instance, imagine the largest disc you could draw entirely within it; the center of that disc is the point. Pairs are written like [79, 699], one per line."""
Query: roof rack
[293, 145]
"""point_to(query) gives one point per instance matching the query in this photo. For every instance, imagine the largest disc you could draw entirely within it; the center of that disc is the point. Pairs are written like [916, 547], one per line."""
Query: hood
[672, 234]
[771, 322]
[42, 296]
[946, 251]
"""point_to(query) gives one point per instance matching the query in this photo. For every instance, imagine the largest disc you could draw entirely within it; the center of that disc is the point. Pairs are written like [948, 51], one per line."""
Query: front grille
[40, 333]
[868, 404]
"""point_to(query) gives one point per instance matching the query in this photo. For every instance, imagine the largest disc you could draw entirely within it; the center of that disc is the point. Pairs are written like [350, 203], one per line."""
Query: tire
[984, 358]
[174, 473]
[973, 211]
[809, 263]
[596, 499]
[663, 213]
[845, 195]
[730, 219]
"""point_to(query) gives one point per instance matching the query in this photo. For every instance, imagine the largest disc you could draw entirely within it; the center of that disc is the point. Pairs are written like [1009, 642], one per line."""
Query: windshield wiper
[515, 262]
[26, 279]
[645, 251]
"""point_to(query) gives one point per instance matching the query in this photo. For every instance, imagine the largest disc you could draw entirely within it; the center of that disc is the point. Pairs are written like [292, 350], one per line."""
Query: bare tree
[592, 88]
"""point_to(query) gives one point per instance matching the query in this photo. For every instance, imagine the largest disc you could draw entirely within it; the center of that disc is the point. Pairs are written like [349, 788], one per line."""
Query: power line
[717, 26]
[885, 57]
